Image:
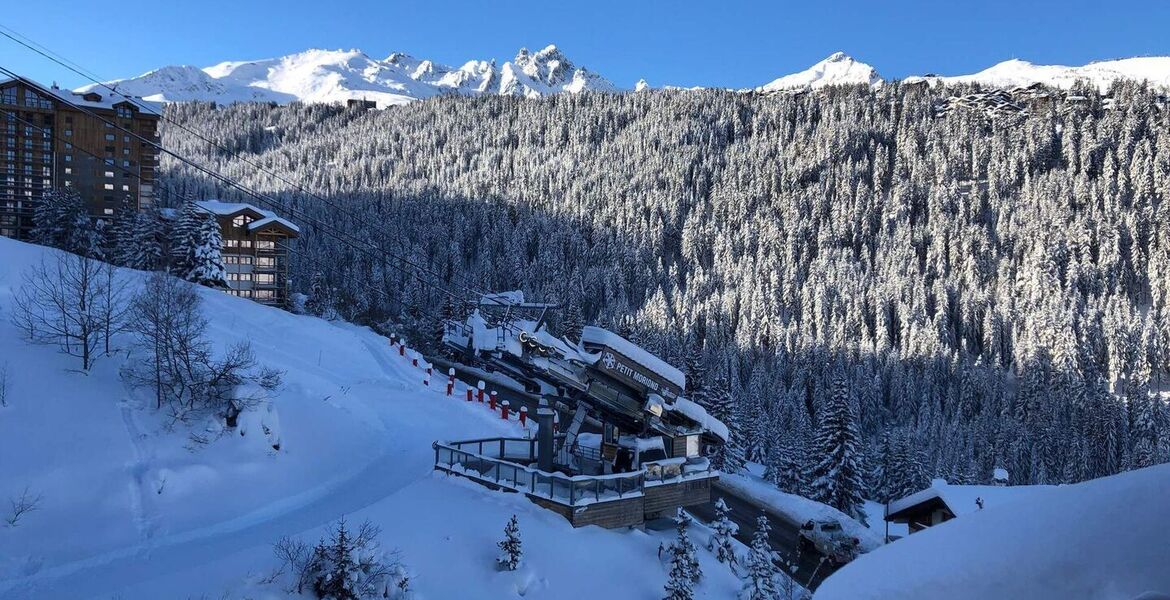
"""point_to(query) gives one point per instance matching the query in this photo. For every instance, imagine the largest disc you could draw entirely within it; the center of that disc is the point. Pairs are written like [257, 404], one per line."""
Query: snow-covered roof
[259, 224]
[106, 99]
[634, 352]
[503, 298]
[960, 499]
[1103, 538]
[699, 415]
[227, 209]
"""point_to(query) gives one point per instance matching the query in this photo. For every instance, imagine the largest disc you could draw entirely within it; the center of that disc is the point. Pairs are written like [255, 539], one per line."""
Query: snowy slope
[838, 69]
[1018, 73]
[135, 508]
[339, 75]
[1103, 539]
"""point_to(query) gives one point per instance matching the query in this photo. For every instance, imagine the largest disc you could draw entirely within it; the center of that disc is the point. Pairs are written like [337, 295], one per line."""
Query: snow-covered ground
[133, 507]
[1106, 539]
[751, 485]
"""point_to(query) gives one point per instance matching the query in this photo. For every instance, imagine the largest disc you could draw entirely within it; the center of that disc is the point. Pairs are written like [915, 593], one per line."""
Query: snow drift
[1104, 539]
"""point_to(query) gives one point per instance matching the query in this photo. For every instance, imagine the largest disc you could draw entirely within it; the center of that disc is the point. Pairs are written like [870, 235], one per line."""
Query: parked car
[827, 538]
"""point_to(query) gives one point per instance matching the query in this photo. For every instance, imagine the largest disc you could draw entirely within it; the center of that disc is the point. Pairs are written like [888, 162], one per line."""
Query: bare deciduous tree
[4, 384]
[114, 307]
[166, 319]
[180, 366]
[22, 505]
[62, 302]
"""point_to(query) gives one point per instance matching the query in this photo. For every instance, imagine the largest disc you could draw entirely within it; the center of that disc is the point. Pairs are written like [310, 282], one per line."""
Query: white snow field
[134, 508]
[1106, 539]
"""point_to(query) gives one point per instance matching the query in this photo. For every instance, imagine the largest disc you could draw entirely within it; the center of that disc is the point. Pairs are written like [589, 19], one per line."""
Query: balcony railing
[505, 463]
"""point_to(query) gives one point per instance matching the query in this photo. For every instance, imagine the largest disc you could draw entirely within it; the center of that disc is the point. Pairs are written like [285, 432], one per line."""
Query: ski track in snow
[155, 556]
[145, 518]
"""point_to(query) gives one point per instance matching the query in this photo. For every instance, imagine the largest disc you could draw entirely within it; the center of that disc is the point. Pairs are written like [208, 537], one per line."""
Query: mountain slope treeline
[993, 290]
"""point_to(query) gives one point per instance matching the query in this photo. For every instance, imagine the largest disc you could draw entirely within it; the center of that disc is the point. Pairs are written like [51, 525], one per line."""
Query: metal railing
[505, 463]
[487, 461]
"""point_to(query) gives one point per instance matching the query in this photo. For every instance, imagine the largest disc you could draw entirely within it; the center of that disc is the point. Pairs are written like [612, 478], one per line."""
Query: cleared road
[811, 566]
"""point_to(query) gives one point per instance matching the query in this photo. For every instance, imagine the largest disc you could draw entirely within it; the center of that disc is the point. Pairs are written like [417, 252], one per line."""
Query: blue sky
[716, 43]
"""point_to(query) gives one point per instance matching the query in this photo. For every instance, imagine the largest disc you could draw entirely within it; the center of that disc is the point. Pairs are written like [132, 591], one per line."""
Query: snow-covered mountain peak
[548, 66]
[641, 85]
[837, 69]
[321, 75]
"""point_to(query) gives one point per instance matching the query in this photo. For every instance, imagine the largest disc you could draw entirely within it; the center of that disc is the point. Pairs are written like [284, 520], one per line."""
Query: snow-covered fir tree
[510, 548]
[203, 254]
[321, 301]
[685, 571]
[572, 322]
[696, 372]
[760, 581]
[347, 565]
[723, 530]
[181, 234]
[838, 476]
[144, 250]
[1005, 246]
[61, 220]
[785, 467]
[730, 456]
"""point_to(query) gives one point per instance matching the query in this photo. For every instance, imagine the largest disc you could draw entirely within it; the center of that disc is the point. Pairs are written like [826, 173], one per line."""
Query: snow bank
[1101, 539]
[797, 509]
[964, 499]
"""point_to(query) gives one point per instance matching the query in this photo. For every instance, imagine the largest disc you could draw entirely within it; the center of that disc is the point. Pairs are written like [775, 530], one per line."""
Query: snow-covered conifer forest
[993, 289]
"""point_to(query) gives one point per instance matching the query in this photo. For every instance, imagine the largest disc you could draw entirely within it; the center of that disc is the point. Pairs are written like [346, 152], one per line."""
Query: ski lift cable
[57, 58]
[341, 237]
[188, 198]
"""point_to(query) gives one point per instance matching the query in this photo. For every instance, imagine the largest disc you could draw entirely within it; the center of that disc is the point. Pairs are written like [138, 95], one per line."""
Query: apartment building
[90, 142]
[255, 250]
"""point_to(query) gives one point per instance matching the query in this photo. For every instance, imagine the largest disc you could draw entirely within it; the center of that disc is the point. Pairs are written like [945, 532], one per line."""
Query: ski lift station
[634, 448]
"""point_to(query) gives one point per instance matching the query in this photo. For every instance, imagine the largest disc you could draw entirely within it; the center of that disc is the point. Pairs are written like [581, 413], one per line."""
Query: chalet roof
[264, 218]
[103, 99]
[960, 499]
